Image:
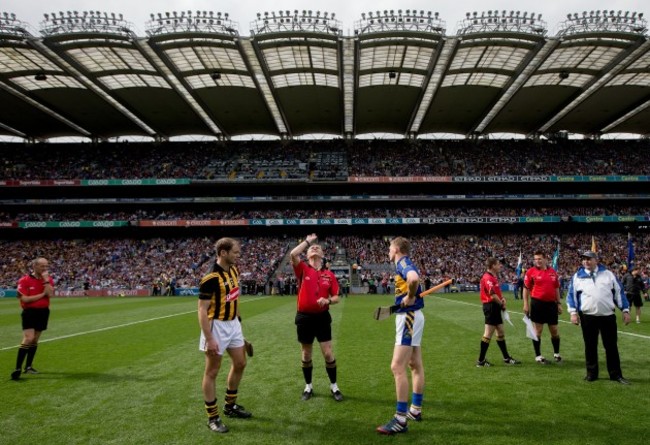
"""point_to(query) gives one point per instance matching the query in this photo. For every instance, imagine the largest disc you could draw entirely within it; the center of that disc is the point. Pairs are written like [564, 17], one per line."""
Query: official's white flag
[506, 316]
[530, 329]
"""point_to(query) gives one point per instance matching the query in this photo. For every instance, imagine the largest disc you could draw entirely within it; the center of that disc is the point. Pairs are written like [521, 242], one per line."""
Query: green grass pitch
[127, 371]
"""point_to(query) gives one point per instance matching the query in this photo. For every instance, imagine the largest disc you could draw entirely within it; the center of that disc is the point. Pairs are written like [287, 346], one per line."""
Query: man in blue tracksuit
[594, 294]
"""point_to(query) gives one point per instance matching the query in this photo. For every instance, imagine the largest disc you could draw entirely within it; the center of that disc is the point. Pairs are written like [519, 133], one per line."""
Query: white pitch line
[108, 328]
[631, 334]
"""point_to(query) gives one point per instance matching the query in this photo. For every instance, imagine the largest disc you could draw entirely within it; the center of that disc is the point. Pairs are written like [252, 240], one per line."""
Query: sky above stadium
[244, 11]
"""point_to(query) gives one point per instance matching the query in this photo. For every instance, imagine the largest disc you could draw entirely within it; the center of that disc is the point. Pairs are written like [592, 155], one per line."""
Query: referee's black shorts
[35, 318]
[492, 312]
[314, 325]
[543, 312]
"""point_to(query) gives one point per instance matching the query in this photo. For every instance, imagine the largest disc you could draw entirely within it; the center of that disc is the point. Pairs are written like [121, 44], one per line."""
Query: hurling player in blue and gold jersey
[221, 331]
[407, 352]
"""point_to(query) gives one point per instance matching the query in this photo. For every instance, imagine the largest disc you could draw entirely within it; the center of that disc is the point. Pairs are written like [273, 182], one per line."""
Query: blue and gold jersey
[402, 268]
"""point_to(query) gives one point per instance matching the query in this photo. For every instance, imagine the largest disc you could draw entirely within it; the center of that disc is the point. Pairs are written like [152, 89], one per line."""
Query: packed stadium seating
[332, 160]
[136, 259]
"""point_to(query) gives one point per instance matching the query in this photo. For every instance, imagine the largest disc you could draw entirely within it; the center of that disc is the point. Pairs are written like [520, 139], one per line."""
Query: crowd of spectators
[322, 160]
[341, 211]
[498, 158]
[462, 257]
[136, 264]
[230, 161]
[131, 263]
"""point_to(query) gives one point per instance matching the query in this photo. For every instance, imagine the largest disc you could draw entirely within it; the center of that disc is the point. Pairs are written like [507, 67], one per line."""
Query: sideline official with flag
[519, 265]
[630, 252]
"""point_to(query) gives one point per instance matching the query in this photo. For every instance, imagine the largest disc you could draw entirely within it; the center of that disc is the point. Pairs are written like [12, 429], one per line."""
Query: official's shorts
[543, 312]
[310, 326]
[492, 312]
[635, 300]
[228, 335]
[35, 318]
[409, 327]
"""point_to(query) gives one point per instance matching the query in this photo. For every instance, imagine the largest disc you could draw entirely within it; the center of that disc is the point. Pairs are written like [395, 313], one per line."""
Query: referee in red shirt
[318, 289]
[34, 292]
[493, 306]
[542, 303]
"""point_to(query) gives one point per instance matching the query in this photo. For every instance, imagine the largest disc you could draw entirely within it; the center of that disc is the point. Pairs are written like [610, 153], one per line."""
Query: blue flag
[519, 264]
[630, 252]
[556, 257]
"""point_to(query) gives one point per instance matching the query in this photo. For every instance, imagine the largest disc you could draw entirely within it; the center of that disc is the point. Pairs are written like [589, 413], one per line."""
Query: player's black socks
[211, 409]
[537, 344]
[231, 397]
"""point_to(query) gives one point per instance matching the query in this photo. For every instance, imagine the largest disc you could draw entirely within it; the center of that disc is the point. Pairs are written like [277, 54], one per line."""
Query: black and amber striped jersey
[221, 287]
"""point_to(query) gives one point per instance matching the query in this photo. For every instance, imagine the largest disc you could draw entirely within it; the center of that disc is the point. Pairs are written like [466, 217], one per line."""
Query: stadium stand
[120, 214]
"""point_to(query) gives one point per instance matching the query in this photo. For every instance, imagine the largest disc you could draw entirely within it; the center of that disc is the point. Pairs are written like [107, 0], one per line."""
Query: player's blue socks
[401, 409]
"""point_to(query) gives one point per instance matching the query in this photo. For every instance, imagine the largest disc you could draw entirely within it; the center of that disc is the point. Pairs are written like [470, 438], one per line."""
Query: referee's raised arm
[301, 247]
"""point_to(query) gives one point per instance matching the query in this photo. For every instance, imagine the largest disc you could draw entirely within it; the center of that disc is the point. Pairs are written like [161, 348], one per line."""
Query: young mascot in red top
[34, 292]
[493, 304]
[318, 289]
[542, 288]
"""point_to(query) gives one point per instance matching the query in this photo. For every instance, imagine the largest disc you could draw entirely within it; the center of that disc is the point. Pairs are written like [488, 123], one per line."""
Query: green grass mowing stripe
[66, 317]
[624, 330]
[140, 383]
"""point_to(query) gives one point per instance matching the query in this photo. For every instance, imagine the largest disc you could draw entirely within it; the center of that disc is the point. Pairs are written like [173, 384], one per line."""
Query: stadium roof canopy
[89, 75]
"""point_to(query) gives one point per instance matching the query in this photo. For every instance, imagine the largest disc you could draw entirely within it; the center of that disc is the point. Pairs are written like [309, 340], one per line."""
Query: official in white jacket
[594, 294]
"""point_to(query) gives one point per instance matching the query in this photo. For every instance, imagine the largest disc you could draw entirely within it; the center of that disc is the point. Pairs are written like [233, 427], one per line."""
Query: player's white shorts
[227, 333]
[409, 328]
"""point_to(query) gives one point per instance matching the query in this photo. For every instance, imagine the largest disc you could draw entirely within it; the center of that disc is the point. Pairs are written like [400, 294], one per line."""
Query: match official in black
[34, 292]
